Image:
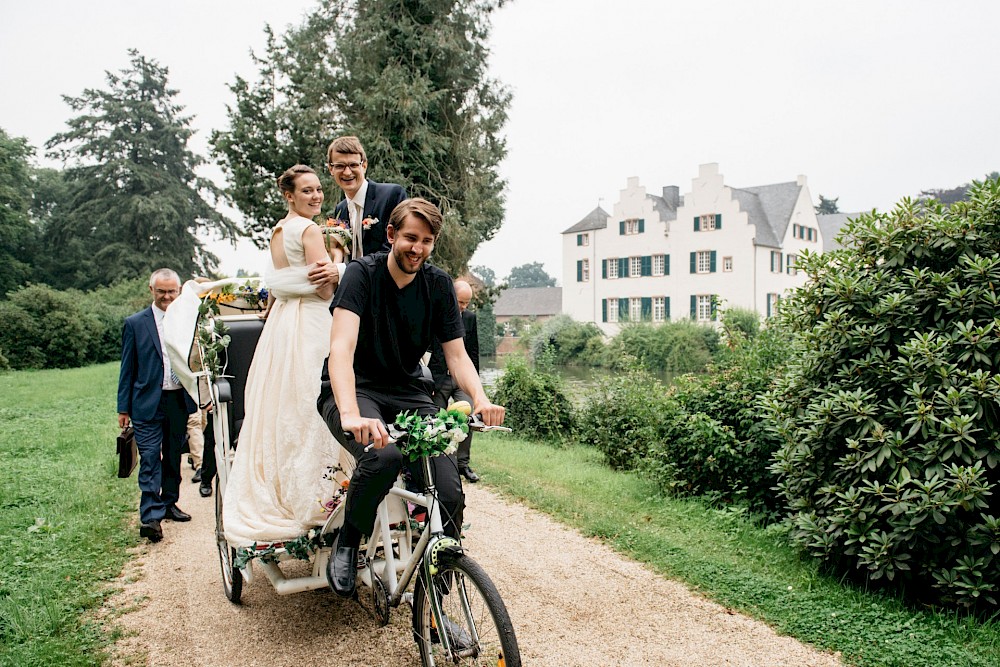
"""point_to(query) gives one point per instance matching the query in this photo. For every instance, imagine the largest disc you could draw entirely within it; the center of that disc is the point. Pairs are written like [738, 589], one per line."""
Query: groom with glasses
[367, 205]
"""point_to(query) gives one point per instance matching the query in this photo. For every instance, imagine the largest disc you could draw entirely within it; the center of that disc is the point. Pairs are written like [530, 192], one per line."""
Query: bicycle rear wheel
[477, 624]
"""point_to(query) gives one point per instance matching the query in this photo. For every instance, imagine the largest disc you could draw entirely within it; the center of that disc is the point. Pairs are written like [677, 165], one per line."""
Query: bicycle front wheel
[476, 621]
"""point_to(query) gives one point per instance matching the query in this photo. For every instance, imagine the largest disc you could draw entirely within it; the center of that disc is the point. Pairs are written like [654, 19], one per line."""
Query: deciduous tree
[530, 275]
[17, 234]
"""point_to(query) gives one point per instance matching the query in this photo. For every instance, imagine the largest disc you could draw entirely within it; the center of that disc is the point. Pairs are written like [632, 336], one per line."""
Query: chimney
[672, 195]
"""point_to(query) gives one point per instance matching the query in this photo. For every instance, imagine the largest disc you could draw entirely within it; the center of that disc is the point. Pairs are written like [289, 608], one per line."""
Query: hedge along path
[573, 601]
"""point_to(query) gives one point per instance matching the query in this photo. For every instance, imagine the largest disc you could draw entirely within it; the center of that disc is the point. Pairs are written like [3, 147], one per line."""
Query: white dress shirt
[168, 376]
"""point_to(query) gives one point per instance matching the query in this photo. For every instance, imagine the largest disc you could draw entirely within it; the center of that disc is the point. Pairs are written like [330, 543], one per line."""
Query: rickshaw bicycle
[450, 590]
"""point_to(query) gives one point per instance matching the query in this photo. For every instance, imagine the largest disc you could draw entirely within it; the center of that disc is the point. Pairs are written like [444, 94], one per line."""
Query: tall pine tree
[409, 77]
[17, 234]
[135, 202]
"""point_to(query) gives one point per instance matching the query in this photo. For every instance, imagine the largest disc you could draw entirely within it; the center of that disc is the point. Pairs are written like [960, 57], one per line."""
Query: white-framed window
[612, 310]
[635, 309]
[585, 270]
[790, 264]
[612, 268]
[659, 309]
[707, 223]
[704, 311]
[776, 261]
[632, 226]
[727, 264]
[583, 239]
[704, 264]
[634, 267]
[659, 265]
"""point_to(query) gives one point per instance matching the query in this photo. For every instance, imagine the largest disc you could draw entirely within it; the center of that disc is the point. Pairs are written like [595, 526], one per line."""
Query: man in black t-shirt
[388, 308]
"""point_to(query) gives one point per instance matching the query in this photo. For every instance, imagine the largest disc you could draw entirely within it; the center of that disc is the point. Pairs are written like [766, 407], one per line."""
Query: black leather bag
[128, 453]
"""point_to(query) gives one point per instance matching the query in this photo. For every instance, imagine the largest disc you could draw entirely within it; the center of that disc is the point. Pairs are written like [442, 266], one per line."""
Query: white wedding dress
[282, 472]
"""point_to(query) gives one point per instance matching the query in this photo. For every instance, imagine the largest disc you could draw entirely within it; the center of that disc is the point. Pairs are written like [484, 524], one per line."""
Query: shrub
[621, 416]
[675, 347]
[536, 401]
[713, 440]
[889, 414]
[110, 306]
[4, 364]
[562, 338]
[56, 331]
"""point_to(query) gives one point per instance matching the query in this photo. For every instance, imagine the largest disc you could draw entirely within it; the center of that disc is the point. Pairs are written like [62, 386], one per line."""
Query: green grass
[66, 525]
[64, 515]
[725, 557]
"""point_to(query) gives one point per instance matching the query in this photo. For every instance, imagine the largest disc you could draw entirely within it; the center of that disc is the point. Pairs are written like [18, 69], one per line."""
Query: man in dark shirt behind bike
[386, 311]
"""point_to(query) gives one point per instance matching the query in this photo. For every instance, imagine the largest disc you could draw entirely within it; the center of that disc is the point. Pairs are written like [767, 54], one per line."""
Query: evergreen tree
[135, 200]
[17, 234]
[827, 205]
[406, 76]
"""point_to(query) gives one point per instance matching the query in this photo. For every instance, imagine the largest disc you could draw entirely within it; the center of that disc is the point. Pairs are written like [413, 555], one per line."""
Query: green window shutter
[642, 225]
[718, 221]
[579, 239]
[666, 308]
[769, 305]
[604, 310]
[623, 267]
[715, 303]
[694, 262]
[711, 267]
[697, 224]
[604, 270]
[647, 308]
[621, 228]
[579, 271]
[666, 265]
[646, 265]
[622, 310]
[694, 307]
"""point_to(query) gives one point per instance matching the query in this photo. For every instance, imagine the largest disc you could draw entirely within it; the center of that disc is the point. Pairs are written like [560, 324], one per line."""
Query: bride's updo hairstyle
[286, 182]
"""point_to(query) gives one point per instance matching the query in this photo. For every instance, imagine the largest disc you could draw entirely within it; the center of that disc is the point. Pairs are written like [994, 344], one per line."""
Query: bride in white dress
[281, 474]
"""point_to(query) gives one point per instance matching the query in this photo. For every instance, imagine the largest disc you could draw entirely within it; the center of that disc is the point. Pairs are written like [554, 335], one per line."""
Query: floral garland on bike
[433, 435]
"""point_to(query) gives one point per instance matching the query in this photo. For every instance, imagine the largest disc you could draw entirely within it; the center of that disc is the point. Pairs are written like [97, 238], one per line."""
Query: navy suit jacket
[140, 380]
[439, 365]
[380, 199]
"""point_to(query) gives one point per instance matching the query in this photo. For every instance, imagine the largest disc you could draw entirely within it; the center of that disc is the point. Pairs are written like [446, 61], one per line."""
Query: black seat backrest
[243, 337]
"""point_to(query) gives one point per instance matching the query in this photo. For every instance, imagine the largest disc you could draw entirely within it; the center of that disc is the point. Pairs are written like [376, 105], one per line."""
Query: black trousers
[377, 469]
[449, 389]
[208, 467]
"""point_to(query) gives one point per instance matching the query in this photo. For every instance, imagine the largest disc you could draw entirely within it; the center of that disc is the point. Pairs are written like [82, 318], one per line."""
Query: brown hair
[286, 182]
[345, 146]
[421, 208]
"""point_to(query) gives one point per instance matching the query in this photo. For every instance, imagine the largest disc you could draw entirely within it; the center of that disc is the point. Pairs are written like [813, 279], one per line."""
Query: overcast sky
[872, 101]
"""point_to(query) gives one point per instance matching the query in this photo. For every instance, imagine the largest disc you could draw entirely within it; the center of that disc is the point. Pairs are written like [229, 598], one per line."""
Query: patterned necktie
[358, 250]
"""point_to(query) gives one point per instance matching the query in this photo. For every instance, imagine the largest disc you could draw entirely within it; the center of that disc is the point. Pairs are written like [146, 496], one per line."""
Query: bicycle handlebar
[475, 424]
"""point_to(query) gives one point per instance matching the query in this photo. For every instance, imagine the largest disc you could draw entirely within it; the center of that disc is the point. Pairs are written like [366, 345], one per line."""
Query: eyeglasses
[166, 292]
[341, 166]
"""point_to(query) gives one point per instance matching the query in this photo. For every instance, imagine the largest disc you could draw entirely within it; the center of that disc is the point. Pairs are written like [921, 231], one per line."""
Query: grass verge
[63, 514]
[725, 557]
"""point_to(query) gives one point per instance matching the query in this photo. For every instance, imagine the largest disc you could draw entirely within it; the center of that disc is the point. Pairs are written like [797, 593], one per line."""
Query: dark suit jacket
[140, 379]
[380, 199]
[438, 364]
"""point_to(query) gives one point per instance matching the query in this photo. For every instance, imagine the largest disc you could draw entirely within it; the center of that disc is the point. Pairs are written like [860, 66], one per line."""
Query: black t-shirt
[397, 325]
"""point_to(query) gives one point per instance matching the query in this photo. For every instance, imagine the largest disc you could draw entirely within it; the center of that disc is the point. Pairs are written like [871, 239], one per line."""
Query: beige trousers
[196, 436]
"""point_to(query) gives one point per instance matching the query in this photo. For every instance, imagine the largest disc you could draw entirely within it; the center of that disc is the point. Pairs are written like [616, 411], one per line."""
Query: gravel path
[573, 602]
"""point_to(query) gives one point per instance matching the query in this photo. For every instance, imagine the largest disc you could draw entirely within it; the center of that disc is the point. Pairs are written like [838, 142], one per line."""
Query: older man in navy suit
[151, 397]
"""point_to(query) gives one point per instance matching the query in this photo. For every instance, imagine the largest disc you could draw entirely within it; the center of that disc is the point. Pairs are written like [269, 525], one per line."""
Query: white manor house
[664, 256]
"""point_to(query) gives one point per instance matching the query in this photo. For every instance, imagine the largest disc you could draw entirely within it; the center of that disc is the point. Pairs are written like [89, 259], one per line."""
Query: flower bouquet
[337, 234]
[236, 299]
[432, 435]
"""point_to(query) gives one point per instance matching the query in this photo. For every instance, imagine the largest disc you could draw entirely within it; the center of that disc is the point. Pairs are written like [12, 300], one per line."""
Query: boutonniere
[368, 222]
